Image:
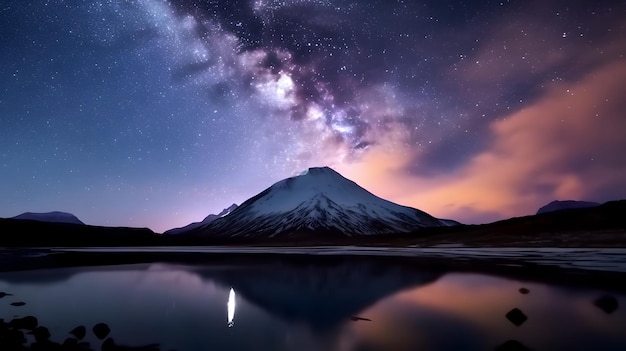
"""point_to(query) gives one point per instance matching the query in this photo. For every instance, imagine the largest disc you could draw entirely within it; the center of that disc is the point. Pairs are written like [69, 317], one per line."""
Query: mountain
[52, 217]
[319, 201]
[210, 218]
[566, 205]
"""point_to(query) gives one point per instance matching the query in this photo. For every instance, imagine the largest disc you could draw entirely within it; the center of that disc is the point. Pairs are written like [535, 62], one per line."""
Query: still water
[340, 305]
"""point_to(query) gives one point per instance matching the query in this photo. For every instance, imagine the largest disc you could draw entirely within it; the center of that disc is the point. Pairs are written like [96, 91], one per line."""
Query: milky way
[156, 113]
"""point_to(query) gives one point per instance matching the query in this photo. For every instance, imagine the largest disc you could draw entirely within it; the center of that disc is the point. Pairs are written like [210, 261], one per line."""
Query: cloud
[567, 145]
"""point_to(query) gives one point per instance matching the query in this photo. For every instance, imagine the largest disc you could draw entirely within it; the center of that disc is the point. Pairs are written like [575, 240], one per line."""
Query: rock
[28, 323]
[512, 345]
[19, 303]
[84, 346]
[516, 316]
[79, 332]
[356, 318]
[12, 339]
[101, 330]
[45, 345]
[70, 344]
[109, 345]
[607, 303]
[523, 291]
[41, 334]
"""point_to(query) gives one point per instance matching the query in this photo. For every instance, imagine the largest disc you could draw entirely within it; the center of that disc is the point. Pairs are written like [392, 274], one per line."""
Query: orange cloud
[566, 145]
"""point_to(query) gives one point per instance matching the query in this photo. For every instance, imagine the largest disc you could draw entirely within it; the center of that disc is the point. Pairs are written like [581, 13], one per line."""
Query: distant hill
[55, 217]
[208, 219]
[566, 205]
[29, 233]
[599, 226]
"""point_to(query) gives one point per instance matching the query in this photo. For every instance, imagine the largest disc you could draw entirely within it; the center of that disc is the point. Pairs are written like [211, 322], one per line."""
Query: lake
[338, 303]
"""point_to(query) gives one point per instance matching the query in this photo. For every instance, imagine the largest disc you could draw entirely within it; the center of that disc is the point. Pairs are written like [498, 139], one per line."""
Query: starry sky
[155, 113]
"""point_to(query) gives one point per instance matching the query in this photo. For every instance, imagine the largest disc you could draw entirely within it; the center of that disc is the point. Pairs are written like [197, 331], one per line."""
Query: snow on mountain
[566, 205]
[56, 217]
[318, 200]
[448, 222]
[208, 219]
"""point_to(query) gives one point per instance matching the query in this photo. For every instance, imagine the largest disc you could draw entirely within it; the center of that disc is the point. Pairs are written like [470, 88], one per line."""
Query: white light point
[230, 306]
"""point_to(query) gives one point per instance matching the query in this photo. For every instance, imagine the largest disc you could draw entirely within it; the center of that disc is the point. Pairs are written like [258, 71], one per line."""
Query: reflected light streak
[231, 307]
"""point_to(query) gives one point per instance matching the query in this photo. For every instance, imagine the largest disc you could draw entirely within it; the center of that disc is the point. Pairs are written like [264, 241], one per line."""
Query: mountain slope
[317, 201]
[52, 217]
[208, 219]
[599, 226]
[566, 205]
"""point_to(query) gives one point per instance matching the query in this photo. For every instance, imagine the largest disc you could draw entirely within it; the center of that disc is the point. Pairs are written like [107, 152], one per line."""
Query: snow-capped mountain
[208, 219]
[566, 205]
[319, 200]
[55, 217]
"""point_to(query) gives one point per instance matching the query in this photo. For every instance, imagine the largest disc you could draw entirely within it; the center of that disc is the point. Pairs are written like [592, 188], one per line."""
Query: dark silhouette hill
[28, 233]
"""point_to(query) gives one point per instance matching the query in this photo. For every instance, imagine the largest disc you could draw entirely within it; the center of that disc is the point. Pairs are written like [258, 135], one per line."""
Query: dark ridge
[565, 205]
[30, 233]
[601, 226]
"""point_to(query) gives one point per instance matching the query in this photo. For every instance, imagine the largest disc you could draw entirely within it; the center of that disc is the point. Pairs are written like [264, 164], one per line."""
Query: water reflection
[330, 304]
[230, 306]
[320, 294]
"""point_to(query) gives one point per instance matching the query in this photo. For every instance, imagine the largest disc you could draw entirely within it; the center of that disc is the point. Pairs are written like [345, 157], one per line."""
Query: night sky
[156, 113]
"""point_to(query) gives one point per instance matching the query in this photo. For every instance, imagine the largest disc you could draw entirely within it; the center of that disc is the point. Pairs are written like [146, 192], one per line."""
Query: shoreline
[591, 267]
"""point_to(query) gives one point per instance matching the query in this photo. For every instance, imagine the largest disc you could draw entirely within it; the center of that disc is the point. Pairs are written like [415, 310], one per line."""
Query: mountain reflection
[309, 299]
[320, 293]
